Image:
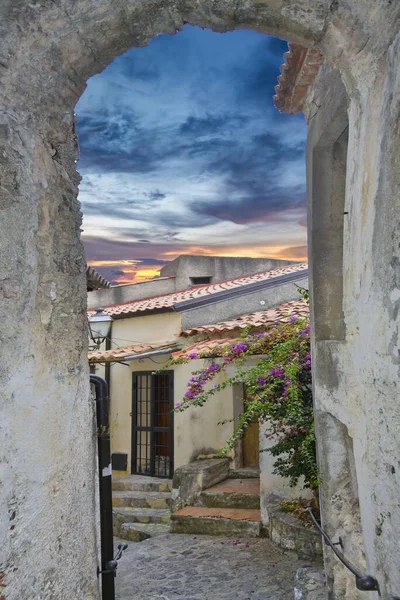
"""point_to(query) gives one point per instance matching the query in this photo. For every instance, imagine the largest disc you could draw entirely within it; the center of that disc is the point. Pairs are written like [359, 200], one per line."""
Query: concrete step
[159, 500]
[245, 473]
[137, 532]
[232, 493]
[227, 522]
[141, 483]
[141, 515]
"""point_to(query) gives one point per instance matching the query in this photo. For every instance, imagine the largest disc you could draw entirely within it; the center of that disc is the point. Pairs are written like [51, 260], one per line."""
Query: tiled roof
[94, 281]
[204, 346]
[297, 74]
[254, 320]
[127, 352]
[167, 301]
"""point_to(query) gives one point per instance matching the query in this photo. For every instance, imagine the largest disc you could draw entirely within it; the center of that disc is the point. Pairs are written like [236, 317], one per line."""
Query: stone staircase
[230, 508]
[141, 507]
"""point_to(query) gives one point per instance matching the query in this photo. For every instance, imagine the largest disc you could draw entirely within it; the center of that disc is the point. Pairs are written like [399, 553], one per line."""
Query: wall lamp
[99, 327]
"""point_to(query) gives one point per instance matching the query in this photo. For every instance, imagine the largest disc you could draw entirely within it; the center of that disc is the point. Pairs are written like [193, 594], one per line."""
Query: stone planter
[288, 532]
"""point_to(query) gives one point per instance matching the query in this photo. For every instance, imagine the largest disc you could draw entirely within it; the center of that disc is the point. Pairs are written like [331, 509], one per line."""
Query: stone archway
[48, 51]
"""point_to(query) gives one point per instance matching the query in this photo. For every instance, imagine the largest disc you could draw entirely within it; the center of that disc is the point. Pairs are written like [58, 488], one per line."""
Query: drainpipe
[107, 366]
[108, 563]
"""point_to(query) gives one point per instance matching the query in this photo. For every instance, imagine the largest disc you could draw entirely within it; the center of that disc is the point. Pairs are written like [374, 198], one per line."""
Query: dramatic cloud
[182, 150]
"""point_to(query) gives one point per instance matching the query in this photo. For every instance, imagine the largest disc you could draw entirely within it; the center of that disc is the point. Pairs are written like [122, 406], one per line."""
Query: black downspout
[108, 564]
[107, 366]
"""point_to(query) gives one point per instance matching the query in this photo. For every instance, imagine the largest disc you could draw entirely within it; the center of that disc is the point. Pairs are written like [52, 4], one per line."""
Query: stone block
[215, 526]
[290, 533]
[159, 500]
[190, 480]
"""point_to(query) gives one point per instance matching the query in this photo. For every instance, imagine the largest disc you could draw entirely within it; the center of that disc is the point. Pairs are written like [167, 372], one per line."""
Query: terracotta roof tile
[125, 352]
[169, 300]
[298, 72]
[254, 320]
[205, 345]
[94, 281]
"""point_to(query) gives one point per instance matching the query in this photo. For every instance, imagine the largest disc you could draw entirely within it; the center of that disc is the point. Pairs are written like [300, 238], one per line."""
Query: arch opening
[48, 53]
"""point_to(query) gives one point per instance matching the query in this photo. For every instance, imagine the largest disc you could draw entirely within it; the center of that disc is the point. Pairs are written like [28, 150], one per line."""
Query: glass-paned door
[152, 424]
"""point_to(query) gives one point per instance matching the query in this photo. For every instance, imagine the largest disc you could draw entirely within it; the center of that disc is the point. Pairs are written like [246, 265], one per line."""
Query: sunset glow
[183, 152]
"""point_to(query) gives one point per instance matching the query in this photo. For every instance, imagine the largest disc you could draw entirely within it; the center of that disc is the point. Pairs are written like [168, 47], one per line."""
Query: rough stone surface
[290, 533]
[142, 499]
[137, 532]
[48, 50]
[217, 526]
[187, 567]
[141, 483]
[309, 584]
[355, 315]
[194, 477]
[142, 515]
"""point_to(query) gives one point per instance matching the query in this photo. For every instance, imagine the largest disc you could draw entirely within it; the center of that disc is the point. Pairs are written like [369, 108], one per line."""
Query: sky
[183, 152]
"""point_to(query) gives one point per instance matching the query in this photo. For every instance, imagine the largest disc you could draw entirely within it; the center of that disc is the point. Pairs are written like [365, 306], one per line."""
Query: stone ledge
[289, 533]
[190, 480]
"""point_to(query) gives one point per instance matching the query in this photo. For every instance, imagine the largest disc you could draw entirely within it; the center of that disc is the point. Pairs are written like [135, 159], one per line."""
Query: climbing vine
[278, 392]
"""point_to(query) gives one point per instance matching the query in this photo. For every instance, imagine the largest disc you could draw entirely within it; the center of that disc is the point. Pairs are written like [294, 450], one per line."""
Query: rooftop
[298, 72]
[94, 281]
[129, 352]
[280, 314]
[258, 320]
[168, 301]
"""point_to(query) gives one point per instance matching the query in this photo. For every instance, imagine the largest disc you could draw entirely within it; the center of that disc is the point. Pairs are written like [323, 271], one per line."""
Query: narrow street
[186, 567]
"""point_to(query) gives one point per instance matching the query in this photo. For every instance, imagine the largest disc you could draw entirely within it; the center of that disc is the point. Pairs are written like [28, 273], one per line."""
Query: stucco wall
[160, 327]
[195, 430]
[127, 293]
[270, 483]
[218, 268]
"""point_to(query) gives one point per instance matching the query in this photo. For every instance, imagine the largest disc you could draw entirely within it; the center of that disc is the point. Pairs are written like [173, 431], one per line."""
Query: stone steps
[141, 507]
[245, 473]
[138, 532]
[141, 515]
[228, 522]
[230, 508]
[232, 493]
[141, 483]
[160, 500]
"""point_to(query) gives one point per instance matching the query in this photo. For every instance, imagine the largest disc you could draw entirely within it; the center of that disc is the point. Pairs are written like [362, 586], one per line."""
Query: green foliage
[278, 392]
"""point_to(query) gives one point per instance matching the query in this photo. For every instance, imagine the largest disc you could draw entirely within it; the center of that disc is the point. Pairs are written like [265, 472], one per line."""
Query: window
[200, 280]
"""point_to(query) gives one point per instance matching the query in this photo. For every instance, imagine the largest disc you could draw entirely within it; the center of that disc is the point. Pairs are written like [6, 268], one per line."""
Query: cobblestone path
[185, 567]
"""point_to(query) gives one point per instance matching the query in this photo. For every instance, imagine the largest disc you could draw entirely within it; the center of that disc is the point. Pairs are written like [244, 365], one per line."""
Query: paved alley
[186, 567]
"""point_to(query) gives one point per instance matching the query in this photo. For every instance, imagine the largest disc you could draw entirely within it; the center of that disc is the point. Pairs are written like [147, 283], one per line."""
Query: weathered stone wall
[48, 50]
[354, 197]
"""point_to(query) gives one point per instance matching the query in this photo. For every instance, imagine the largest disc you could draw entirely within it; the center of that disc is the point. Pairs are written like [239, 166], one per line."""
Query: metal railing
[364, 583]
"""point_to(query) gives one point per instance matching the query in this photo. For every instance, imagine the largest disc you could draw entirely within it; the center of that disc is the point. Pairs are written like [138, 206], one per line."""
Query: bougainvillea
[278, 392]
